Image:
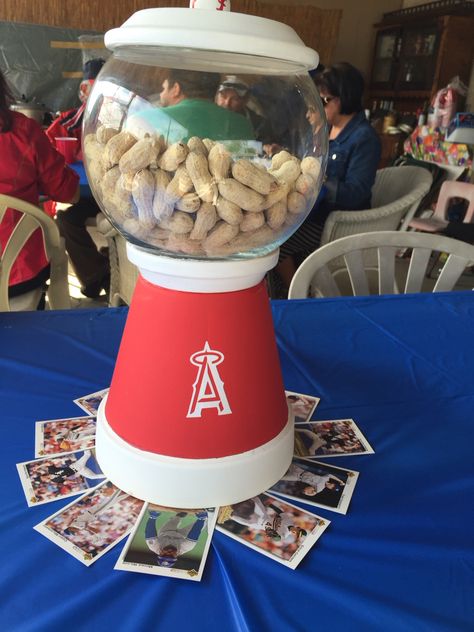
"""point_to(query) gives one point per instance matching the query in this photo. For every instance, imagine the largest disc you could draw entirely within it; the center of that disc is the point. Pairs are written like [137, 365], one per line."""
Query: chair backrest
[33, 218]
[315, 278]
[454, 189]
[396, 193]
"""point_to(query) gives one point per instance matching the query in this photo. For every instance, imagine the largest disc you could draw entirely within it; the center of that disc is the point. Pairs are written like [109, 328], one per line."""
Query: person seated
[234, 94]
[353, 158]
[30, 166]
[90, 265]
[188, 109]
[69, 123]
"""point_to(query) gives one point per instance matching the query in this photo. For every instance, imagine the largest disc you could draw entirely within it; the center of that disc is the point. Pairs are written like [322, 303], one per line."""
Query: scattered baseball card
[90, 403]
[57, 477]
[303, 406]
[273, 527]
[55, 436]
[170, 542]
[338, 437]
[91, 525]
[318, 484]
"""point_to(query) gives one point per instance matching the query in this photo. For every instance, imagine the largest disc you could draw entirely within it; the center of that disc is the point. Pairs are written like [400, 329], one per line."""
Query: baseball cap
[234, 83]
[92, 67]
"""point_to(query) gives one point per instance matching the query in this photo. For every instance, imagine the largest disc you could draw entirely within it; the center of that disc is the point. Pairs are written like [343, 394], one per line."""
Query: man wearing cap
[233, 94]
[188, 109]
[90, 265]
[69, 123]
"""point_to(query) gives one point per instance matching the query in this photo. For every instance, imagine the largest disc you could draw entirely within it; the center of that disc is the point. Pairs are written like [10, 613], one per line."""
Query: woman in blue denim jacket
[354, 154]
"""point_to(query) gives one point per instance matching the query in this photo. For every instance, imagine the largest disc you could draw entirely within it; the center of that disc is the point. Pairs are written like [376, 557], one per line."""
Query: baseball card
[169, 542]
[90, 403]
[55, 436]
[337, 437]
[318, 484]
[273, 527]
[59, 476]
[303, 406]
[93, 524]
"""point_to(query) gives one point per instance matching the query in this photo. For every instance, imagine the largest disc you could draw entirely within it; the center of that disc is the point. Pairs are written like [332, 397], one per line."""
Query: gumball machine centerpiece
[196, 414]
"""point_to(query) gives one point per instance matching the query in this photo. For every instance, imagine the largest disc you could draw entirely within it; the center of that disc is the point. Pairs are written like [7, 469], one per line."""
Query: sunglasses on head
[326, 100]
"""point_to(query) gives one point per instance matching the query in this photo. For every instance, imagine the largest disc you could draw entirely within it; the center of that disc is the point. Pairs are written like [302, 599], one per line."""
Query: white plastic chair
[316, 278]
[33, 218]
[396, 194]
[123, 273]
[439, 220]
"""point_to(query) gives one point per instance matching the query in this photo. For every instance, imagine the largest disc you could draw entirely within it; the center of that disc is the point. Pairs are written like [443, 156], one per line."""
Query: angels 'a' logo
[208, 389]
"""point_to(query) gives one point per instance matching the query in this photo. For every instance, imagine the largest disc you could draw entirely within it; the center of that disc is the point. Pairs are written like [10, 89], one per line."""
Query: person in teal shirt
[188, 109]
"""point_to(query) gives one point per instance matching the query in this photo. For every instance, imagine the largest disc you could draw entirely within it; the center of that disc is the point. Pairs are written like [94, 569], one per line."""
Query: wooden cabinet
[417, 52]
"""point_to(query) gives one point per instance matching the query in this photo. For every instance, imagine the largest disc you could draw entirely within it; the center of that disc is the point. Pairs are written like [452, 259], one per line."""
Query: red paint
[156, 385]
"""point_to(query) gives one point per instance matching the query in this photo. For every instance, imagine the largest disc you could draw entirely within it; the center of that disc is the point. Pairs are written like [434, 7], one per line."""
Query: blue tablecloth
[83, 181]
[401, 559]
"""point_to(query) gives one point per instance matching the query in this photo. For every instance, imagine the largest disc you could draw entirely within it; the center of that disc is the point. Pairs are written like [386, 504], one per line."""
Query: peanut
[311, 166]
[134, 227]
[117, 146]
[195, 144]
[228, 211]
[288, 172]
[280, 158]
[173, 156]
[92, 148]
[139, 156]
[179, 223]
[276, 214]
[252, 221]
[198, 170]
[96, 172]
[250, 175]
[206, 218]
[108, 182]
[277, 195]
[239, 194]
[182, 243]
[126, 180]
[105, 133]
[180, 184]
[162, 205]
[296, 202]
[220, 235]
[305, 184]
[189, 203]
[208, 143]
[219, 162]
[143, 192]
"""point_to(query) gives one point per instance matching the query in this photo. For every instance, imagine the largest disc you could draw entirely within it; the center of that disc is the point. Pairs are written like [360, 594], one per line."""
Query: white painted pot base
[191, 483]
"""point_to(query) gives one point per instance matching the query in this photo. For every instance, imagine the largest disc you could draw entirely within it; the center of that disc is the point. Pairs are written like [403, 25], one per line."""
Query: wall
[356, 38]
[310, 22]
[354, 42]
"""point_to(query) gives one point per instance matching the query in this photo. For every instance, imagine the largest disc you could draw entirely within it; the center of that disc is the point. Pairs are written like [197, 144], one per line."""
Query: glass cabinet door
[417, 58]
[387, 49]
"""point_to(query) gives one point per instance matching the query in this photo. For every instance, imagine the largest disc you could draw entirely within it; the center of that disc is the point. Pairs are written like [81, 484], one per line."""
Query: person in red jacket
[90, 265]
[30, 166]
[69, 123]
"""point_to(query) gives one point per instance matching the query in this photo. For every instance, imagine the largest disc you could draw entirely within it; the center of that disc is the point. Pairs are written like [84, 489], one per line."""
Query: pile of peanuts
[194, 198]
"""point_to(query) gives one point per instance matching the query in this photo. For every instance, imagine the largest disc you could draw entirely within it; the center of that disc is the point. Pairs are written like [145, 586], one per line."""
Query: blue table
[83, 181]
[401, 559]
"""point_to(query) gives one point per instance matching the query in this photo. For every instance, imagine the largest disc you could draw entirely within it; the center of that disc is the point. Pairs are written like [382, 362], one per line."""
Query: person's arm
[355, 187]
[55, 178]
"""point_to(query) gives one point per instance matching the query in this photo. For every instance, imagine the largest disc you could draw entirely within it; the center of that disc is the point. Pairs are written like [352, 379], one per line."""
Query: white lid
[213, 31]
